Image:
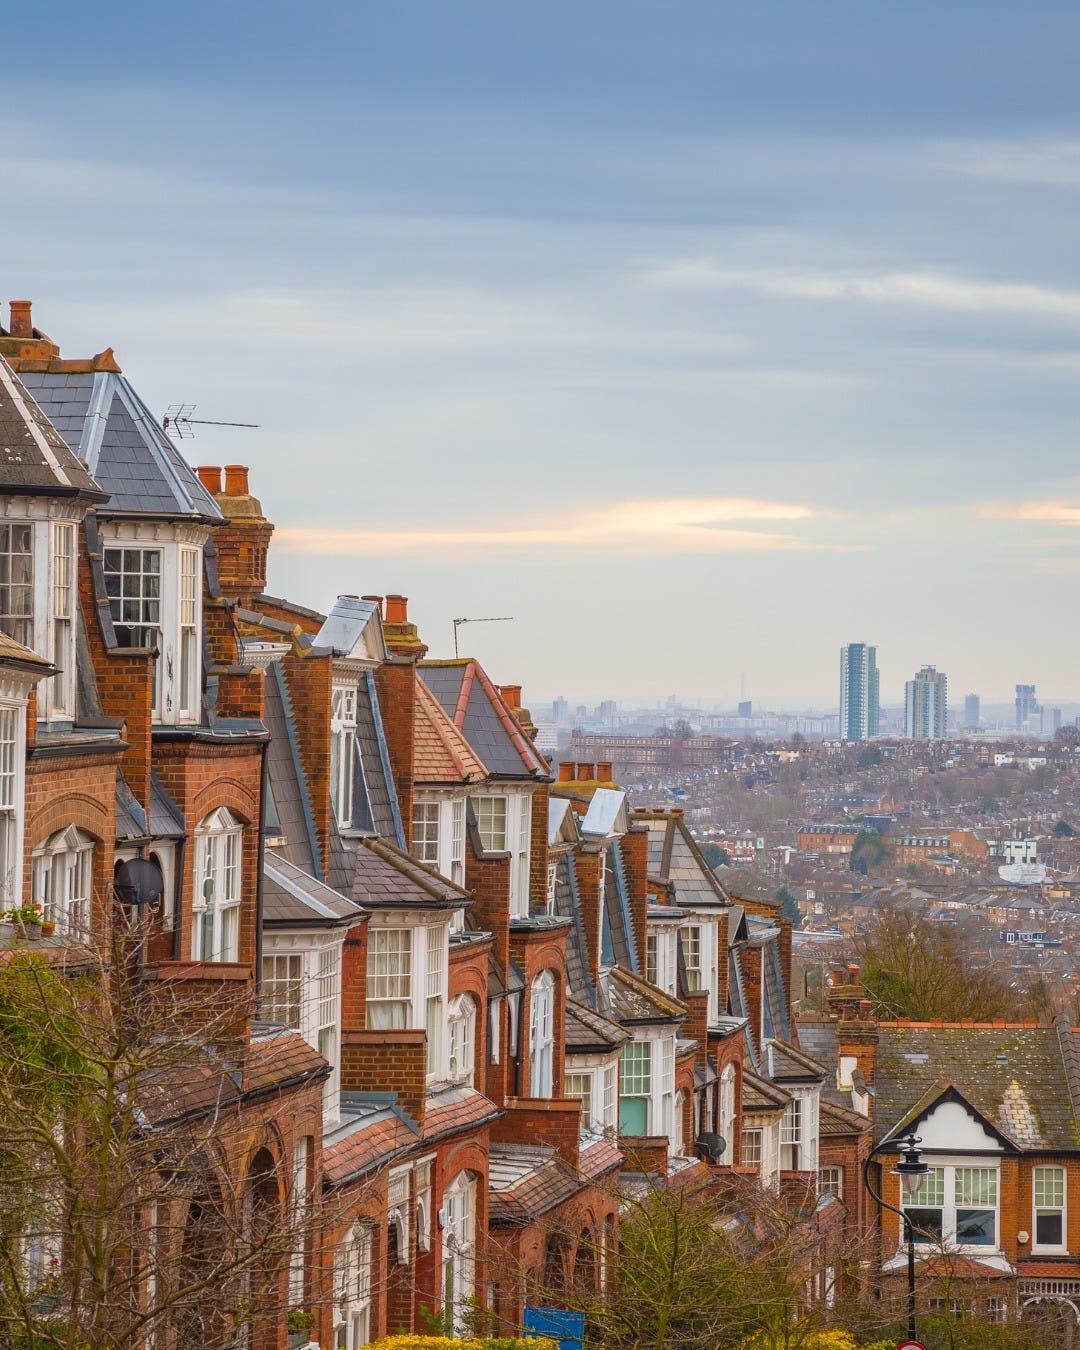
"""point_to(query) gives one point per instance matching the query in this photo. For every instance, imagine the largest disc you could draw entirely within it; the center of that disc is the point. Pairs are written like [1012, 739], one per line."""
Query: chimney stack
[21, 324]
[244, 540]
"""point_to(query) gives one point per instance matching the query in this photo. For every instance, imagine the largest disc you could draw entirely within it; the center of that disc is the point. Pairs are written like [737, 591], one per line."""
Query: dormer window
[342, 752]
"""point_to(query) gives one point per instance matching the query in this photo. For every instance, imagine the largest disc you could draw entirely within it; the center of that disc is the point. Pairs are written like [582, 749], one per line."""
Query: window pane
[976, 1226]
[926, 1223]
[1049, 1229]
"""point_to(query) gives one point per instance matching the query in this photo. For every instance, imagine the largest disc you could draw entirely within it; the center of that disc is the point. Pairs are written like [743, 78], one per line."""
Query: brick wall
[395, 682]
[538, 847]
[587, 869]
[751, 968]
[635, 855]
[489, 880]
[309, 682]
[553, 1121]
[387, 1061]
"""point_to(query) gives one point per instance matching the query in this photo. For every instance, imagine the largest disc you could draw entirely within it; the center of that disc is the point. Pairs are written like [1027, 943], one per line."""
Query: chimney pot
[566, 771]
[853, 972]
[236, 480]
[511, 695]
[604, 771]
[375, 600]
[586, 773]
[210, 477]
[21, 324]
[397, 609]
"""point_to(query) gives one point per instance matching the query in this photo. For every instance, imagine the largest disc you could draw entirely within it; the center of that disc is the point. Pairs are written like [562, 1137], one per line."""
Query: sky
[700, 337]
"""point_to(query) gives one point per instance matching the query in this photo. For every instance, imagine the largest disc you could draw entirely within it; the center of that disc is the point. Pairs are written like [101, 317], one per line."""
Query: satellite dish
[139, 881]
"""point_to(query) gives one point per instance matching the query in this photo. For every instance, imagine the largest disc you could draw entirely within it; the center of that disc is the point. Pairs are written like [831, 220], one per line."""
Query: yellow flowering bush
[410, 1342]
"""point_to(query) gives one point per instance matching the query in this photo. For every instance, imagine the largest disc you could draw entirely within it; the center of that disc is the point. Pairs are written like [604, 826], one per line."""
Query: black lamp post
[912, 1171]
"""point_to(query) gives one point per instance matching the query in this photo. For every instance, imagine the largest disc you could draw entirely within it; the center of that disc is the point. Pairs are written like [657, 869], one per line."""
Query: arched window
[542, 1034]
[727, 1113]
[352, 1289]
[461, 1033]
[215, 932]
[63, 879]
[459, 1245]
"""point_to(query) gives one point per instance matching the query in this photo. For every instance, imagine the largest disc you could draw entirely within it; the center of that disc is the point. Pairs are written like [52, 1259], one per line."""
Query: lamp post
[912, 1171]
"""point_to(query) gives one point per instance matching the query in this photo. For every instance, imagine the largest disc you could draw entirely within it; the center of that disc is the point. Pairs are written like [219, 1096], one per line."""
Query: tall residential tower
[926, 705]
[859, 692]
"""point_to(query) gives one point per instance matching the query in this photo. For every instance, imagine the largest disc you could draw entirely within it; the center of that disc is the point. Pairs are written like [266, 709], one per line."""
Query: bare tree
[126, 1219]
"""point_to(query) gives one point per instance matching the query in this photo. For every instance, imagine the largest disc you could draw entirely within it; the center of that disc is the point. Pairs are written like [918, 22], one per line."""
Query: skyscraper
[859, 692]
[1027, 707]
[971, 711]
[926, 704]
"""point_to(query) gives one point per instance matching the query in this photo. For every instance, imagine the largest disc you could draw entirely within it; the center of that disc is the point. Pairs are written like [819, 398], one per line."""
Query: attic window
[1001, 1059]
[917, 1058]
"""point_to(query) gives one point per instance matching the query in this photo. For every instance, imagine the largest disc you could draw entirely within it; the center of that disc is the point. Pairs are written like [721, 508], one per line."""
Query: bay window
[133, 585]
[61, 695]
[457, 842]
[342, 752]
[799, 1135]
[519, 879]
[660, 959]
[435, 995]
[282, 983]
[327, 1017]
[491, 822]
[691, 948]
[11, 796]
[389, 978]
[751, 1148]
[190, 594]
[425, 833]
[956, 1206]
[580, 1087]
[1048, 1200]
[216, 927]
[542, 1034]
[17, 581]
[635, 1087]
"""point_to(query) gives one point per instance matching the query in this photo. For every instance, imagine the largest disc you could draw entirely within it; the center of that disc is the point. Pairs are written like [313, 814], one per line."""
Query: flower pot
[33, 931]
[48, 929]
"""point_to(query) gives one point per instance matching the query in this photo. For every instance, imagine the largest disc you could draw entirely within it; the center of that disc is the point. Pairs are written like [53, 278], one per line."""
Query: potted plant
[299, 1325]
[48, 928]
[26, 920]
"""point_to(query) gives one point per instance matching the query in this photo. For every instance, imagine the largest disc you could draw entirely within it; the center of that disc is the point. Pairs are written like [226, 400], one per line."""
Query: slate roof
[630, 999]
[761, 1095]
[441, 752]
[34, 457]
[835, 1120]
[373, 787]
[587, 1030]
[292, 896]
[104, 422]
[1018, 1077]
[166, 820]
[287, 785]
[817, 1037]
[676, 861]
[477, 709]
[353, 627]
[387, 876]
[14, 653]
[788, 1065]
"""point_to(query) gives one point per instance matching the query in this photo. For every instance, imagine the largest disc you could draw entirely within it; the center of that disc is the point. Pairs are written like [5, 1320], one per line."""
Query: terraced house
[483, 997]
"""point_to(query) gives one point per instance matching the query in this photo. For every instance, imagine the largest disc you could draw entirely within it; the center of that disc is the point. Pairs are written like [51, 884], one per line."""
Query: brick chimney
[21, 325]
[22, 342]
[242, 542]
[396, 681]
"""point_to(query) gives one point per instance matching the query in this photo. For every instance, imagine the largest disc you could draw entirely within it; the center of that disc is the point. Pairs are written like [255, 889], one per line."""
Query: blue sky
[700, 337]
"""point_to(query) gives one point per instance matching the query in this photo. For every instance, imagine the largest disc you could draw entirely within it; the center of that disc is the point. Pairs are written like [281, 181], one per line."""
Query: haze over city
[755, 325]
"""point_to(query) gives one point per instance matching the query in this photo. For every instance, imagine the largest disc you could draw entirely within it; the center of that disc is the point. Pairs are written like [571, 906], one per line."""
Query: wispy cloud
[927, 290]
[1047, 162]
[1049, 513]
[681, 525]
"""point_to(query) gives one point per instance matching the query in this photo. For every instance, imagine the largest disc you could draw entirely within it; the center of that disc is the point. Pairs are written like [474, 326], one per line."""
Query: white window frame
[18, 569]
[660, 958]
[426, 831]
[352, 1289]
[435, 999]
[580, 1084]
[458, 1249]
[753, 1146]
[137, 606]
[690, 935]
[457, 841]
[493, 821]
[299, 1205]
[637, 1078]
[326, 1006]
[677, 1146]
[390, 978]
[831, 1181]
[542, 1035]
[283, 987]
[219, 872]
[63, 881]
[189, 672]
[1044, 1205]
[60, 692]
[949, 1173]
[726, 1123]
[461, 1039]
[343, 754]
[519, 876]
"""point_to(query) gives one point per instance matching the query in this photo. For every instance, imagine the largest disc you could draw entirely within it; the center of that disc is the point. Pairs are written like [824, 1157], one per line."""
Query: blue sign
[560, 1324]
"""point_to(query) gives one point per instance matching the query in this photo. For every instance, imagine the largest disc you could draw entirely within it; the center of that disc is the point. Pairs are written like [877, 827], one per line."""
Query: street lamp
[912, 1171]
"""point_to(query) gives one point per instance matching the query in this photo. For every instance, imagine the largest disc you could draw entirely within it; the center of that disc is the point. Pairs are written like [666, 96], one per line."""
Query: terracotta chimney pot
[210, 477]
[236, 480]
[397, 609]
[566, 771]
[375, 600]
[586, 773]
[604, 771]
[21, 324]
[511, 695]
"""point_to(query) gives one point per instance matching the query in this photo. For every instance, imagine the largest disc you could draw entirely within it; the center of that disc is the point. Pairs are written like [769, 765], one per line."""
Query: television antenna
[499, 618]
[180, 421]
